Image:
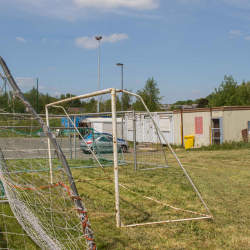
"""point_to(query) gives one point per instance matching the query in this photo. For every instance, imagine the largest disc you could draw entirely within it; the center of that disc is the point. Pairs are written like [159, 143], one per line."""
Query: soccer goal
[50, 214]
[157, 160]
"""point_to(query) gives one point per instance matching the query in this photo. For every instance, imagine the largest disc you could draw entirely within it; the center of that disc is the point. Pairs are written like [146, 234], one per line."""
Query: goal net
[149, 145]
[50, 215]
[154, 156]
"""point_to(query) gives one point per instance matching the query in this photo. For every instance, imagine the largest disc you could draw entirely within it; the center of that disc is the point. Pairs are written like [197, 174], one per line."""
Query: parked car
[102, 143]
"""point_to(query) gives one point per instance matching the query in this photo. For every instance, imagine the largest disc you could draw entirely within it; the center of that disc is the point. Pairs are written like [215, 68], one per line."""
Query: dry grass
[222, 177]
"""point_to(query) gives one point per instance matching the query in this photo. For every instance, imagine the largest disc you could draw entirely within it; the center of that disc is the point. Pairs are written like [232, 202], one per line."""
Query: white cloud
[71, 18]
[72, 10]
[20, 39]
[44, 40]
[136, 15]
[196, 91]
[52, 68]
[247, 38]
[235, 32]
[56, 93]
[138, 81]
[54, 88]
[115, 38]
[113, 4]
[91, 43]
[56, 41]
[25, 82]
[41, 87]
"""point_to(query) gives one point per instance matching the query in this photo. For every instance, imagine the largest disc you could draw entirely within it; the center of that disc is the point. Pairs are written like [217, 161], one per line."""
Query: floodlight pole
[37, 95]
[98, 38]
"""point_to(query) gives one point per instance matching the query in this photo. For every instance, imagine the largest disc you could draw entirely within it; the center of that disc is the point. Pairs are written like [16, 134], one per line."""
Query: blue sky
[186, 45]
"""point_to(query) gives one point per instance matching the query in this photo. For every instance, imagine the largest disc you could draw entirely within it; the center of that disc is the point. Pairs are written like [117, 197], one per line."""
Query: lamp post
[37, 95]
[120, 64]
[98, 38]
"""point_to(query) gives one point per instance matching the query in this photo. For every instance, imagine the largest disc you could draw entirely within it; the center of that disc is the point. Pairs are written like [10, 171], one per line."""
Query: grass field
[222, 178]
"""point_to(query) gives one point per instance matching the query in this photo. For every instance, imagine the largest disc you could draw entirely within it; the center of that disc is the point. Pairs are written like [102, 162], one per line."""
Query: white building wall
[189, 127]
[233, 122]
[145, 131]
[98, 126]
[177, 128]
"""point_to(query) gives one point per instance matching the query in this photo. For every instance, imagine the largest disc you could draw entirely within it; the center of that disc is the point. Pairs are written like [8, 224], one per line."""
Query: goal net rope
[51, 214]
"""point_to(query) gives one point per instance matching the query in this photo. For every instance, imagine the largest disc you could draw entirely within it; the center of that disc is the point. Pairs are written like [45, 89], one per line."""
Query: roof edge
[223, 108]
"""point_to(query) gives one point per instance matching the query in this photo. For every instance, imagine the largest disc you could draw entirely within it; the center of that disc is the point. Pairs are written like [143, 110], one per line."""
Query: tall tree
[127, 100]
[202, 103]
[226, 94]
[150, 95]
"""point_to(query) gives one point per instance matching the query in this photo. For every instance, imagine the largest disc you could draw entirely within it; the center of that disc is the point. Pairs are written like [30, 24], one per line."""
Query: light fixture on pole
[120, 64]
[98, 38]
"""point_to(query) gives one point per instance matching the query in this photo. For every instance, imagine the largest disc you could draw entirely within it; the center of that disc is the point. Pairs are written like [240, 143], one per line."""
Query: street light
[98, 38]
[120, 64]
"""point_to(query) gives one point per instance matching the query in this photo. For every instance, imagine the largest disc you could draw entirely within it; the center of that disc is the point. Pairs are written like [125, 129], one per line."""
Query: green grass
[222, 177]
[228, 145]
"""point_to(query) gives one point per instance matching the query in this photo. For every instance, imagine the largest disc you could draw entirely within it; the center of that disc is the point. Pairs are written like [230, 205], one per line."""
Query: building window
[165, 123]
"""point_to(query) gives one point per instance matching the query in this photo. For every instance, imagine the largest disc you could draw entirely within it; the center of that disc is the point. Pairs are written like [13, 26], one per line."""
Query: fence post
[134, 137]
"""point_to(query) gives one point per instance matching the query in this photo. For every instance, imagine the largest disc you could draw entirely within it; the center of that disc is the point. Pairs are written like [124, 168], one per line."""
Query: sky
[187, 46]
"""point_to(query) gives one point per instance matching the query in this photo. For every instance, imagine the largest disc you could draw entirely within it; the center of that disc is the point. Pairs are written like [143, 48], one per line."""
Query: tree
[243, 92]
[202, 103]
[226, 94]
[127, 100]
[150, 95]
[91, 106]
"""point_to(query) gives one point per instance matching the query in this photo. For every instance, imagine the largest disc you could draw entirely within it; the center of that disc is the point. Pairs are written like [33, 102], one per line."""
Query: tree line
[229, 93]
[150, 94]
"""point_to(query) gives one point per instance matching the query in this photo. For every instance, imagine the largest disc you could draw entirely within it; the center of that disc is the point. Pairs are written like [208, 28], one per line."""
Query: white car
[102, 143]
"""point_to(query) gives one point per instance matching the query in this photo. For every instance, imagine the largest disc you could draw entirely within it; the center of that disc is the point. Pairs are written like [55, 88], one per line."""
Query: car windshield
[89, 135]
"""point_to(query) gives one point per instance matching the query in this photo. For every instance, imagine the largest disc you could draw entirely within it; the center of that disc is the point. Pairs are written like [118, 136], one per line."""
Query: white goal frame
[113, 92]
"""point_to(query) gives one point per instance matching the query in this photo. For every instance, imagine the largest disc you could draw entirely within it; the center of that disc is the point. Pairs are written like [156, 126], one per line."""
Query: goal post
[114, 129]
[158, 132]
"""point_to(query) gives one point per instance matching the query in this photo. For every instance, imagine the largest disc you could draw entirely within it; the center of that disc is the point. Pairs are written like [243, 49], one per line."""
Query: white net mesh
[49, 213]
[150, 153]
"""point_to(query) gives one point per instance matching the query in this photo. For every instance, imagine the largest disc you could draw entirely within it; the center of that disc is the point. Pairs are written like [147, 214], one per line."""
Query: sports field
[222, 178]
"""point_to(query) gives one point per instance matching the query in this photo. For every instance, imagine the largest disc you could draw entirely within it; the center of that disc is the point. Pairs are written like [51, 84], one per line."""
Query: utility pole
[98, 38]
